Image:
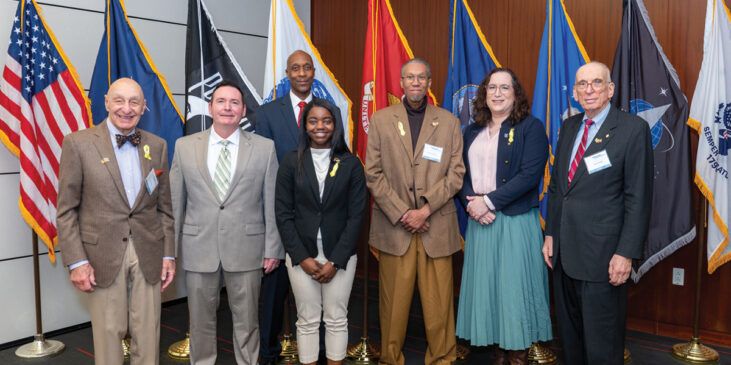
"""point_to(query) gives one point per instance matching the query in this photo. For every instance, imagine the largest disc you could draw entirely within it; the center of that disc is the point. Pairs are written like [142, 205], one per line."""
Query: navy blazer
[521, 163]
[339, 215]
[276, 120]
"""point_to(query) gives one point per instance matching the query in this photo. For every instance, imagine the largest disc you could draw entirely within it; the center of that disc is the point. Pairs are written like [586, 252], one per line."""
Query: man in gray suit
[115, 225]
[222, 182]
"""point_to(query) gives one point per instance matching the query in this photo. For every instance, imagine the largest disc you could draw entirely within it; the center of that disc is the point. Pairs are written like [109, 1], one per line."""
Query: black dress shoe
[264, 361]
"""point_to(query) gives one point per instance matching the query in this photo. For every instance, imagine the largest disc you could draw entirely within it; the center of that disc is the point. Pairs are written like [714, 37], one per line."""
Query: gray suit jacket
[240, 231]
[94, 218]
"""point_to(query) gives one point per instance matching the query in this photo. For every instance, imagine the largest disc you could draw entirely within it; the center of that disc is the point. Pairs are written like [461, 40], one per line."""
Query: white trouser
[312, 300]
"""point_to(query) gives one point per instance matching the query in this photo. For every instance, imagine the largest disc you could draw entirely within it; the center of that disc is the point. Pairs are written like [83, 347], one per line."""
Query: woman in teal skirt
[503, 299]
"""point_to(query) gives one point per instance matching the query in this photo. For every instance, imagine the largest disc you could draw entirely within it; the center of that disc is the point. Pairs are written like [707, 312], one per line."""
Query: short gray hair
[417, 60]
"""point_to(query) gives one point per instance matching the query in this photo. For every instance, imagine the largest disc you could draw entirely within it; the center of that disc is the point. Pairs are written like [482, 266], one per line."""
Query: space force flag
[561, 55]
[386, 50]
[470, 59]
[41, 101]
[710, 115]
[208, 61]
[122, 54]
[286, 35]
[646, 85]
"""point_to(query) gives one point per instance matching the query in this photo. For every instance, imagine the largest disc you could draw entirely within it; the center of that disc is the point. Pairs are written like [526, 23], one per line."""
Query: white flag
[710, 115]
[286, 35]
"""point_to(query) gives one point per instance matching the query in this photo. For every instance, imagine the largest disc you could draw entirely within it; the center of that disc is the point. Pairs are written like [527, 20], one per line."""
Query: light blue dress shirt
[598, 121]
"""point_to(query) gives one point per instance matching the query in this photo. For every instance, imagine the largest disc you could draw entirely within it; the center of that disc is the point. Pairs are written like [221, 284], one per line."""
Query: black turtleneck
[416, 118]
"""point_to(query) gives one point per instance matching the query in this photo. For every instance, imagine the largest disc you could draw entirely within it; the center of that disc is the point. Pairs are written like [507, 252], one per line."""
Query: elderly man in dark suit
[115, 225]
[597, 221]
[279, 120]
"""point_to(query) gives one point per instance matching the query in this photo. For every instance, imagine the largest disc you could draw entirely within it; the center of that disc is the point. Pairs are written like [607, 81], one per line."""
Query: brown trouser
[129, 300]
[434, 278]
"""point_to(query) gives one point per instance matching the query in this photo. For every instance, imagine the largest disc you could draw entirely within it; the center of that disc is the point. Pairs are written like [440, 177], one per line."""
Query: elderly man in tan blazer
[115, 225]
[223, 182]
[413, 170]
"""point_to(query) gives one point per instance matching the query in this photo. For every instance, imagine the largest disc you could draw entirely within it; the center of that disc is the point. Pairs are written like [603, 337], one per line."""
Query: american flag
[41, 101]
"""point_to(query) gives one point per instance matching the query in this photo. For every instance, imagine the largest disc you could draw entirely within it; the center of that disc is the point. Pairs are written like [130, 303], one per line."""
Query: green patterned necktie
[222, 176]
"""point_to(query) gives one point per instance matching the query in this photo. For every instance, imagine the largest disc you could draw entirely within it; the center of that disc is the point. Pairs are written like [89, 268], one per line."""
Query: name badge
[432, 153]
[597, 162]
[151, 181]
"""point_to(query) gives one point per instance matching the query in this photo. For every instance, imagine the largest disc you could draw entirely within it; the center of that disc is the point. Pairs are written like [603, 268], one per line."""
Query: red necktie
[301, 104]
[580, 150]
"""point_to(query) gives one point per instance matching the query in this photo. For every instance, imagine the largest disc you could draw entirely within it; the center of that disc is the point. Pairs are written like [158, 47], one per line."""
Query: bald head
[593, 88]
[125, 104]
[301, 73]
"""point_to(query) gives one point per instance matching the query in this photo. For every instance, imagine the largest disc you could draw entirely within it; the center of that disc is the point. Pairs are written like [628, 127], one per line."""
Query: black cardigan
[300, 212]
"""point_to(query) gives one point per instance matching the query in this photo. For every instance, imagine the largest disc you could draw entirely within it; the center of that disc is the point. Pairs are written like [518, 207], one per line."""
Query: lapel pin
[105, 160]
[598, 140]
[434, 124]
[607, 136]
[335, 167]
[510, 136]
[146, 148]
[401, 128]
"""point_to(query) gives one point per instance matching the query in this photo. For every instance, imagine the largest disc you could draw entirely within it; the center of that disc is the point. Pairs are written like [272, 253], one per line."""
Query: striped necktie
[580, 151]
[222, 176]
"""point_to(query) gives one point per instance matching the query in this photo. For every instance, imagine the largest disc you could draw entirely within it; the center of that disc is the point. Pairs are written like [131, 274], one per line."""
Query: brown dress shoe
[501, 357]
[518, 357]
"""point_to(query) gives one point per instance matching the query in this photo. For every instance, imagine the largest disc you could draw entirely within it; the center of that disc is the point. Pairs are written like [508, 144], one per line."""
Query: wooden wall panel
[514, 29]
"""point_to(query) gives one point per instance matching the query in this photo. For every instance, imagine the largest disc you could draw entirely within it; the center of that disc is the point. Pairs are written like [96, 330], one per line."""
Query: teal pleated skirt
[503, 298]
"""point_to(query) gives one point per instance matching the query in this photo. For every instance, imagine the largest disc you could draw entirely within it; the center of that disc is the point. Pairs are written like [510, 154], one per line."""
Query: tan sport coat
[238, 232]
[400, 179]
[94, 219]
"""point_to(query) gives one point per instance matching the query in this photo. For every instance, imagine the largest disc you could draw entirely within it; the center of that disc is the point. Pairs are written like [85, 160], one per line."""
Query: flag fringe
[662, 254]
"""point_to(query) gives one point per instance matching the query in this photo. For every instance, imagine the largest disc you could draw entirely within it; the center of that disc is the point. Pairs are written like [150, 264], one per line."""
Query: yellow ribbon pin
[105, 160]
[335, 167]
[146, 148]
[401, 128]
[510, 136]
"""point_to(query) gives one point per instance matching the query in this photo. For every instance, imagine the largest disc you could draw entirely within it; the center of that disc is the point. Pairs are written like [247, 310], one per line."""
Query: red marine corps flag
[386, 50]
[41, 101]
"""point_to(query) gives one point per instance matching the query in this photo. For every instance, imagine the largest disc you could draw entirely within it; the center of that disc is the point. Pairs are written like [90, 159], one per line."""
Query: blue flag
[470, 59]
[561, 55]
[122, 54]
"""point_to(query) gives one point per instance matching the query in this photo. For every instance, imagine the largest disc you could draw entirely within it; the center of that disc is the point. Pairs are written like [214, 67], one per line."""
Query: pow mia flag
[646, 85]
[208, 61]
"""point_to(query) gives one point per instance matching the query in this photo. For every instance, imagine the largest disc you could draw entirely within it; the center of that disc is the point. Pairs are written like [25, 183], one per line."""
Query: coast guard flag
[122, 54]
[41, 101]
[208, 61]
[710, 115]
[286, 35]
[470, 59]
[562, 53]
[386, 50]
[646, 85]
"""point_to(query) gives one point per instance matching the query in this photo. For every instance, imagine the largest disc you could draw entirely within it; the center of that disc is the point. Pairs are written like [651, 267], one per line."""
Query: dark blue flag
[122, 54]
[470, 59]
[646, 85]
[561, 55]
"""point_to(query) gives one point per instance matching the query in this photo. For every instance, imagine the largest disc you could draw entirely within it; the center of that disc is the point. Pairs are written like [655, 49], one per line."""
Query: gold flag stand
[364, 352]
[693, 352]
[40, 347]
[125, 346]
[181, 349]
[289, 345]
[538, 354]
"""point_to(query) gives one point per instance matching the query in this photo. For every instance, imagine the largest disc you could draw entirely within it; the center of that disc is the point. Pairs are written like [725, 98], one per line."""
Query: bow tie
[133, 138]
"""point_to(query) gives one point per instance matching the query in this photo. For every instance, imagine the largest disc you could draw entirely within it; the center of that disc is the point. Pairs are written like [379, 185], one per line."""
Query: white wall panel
[16, 234]
[78, 26]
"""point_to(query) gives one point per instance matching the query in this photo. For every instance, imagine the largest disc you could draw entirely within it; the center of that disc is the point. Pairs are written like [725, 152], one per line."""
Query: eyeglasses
[596, 84]
[504, 88]
[411, 78]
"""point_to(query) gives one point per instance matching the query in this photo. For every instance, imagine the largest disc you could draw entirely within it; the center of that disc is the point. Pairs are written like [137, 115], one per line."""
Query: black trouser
[591, 319]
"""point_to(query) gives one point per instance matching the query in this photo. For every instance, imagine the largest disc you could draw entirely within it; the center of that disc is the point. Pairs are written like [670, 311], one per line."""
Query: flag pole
[364, 352]
[40, 347]
[694, 352]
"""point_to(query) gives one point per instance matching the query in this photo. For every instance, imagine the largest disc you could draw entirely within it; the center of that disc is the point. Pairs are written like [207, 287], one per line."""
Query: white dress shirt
[295, 100]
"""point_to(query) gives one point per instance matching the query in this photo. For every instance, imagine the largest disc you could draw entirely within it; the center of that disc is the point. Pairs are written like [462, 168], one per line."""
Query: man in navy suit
[599, 202]
[279, 120]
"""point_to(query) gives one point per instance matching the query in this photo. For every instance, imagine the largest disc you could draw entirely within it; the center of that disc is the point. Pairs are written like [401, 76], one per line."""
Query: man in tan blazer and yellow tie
[223, 182]
[115, 225]
[413, 170]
